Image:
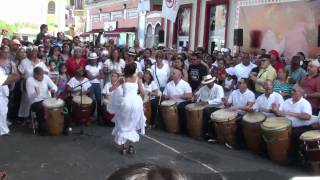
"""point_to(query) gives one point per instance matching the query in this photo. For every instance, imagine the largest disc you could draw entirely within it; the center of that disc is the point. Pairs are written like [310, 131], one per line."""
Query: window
[51, 7]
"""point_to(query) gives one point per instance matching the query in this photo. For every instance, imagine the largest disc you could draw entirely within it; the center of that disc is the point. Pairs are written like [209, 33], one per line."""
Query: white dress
[130, 116]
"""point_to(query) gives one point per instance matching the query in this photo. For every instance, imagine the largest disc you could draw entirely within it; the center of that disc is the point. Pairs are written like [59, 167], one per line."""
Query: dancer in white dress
[130, 116]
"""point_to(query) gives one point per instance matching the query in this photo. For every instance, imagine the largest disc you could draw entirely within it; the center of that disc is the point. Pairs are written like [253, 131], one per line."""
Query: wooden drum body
[147, 108]
[54, 115]
[225, 125]
[276, 132]
[194, 116]
[81, 111]
[169, 112]
[310, 148]
[251, 126]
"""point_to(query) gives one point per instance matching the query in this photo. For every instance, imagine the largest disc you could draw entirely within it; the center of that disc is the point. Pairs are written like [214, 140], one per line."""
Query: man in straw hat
[210, 94]
[311, 86]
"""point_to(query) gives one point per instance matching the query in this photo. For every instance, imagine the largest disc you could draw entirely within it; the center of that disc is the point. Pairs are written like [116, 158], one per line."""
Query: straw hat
[93, 55]
[208, 79]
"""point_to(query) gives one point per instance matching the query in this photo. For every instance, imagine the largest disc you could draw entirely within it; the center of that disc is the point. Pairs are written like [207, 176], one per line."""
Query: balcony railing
[89, 2]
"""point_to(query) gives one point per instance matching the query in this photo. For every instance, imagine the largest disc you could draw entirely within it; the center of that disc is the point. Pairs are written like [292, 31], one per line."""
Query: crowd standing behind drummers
[245, 82]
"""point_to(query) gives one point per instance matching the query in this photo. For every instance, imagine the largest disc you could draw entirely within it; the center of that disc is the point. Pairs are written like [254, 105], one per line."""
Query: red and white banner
[170, 9]
[144, 5]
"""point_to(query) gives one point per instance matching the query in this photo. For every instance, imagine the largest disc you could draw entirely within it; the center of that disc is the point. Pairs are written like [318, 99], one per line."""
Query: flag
[170, 9]
[144, 5]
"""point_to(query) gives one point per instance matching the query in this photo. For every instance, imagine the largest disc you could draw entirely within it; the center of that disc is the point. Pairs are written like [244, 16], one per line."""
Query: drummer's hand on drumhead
[224, 100]
[233, 108]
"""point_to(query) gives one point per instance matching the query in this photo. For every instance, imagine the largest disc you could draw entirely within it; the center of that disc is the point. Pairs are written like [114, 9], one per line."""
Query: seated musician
[73, 86]
[180, 91]
[241, 99]
[210, 94]
[264, 102]
[298, 110]
[38, 89]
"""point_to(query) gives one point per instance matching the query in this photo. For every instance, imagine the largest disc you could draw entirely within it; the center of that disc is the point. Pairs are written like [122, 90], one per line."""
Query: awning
[116, 33]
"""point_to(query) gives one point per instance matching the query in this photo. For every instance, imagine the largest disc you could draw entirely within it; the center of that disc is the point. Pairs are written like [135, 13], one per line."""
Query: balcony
[89, 2]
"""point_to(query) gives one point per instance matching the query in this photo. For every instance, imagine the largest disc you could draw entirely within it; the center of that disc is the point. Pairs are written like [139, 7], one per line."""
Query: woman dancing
[129, 118]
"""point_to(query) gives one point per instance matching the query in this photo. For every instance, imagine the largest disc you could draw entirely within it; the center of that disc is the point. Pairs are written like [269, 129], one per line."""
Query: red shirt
[278, 65]
[72, 65]
[311, 85]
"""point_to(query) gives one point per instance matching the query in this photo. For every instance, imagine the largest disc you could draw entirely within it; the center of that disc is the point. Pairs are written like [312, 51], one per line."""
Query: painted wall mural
[287, 27]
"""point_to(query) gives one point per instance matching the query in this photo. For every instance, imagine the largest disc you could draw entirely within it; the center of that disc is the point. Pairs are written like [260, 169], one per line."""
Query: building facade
[211, 23]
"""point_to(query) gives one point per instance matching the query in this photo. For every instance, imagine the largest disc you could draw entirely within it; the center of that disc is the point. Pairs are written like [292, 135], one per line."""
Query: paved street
[25, 156]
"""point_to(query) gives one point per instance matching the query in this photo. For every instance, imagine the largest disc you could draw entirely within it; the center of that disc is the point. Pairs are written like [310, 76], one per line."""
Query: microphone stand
[81, 132]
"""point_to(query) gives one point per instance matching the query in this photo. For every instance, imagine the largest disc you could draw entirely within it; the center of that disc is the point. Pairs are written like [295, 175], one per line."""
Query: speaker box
[238, 37]
[161, 36]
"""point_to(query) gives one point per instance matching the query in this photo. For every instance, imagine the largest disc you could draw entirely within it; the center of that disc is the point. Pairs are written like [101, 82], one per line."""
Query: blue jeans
[95, 92]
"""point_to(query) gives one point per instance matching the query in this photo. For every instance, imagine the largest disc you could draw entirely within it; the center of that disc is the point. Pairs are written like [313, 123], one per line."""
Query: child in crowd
[53, 73]
[62, 80]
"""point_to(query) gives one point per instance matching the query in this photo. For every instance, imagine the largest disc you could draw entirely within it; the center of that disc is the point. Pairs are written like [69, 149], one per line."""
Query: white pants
[3, 115]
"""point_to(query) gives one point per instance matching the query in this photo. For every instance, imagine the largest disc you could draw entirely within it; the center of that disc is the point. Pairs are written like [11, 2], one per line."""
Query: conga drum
[276, 132]
[194, 116]
[225, 125]
[252, 131]
[169, 112]
[147, 110]
[310, 148]
[81, 109]
[54, 115]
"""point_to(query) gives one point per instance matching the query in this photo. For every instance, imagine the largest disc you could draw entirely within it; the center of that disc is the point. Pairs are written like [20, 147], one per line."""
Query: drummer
[264, 102]
[113, 91]
[298, 110]
[180, 91]
[210, 94]
[241, 99]
[151, 90]
[73, 87]
[39, 86]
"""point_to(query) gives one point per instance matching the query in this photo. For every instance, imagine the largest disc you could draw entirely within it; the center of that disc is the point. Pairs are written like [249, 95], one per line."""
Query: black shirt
[196, 72]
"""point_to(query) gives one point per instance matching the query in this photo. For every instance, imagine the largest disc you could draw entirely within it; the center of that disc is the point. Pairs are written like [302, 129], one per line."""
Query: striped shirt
[282, 87]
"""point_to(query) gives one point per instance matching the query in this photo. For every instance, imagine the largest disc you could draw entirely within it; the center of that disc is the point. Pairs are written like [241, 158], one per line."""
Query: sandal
[123, 151]
[131, 150]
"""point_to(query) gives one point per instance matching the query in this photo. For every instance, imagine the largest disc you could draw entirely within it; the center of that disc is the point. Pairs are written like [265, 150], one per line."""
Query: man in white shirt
[210, 94]
[39, 88]
[5, 80]
[180, 91]
[241, 99]
[298, 110]
[265, 101]
[243, 69]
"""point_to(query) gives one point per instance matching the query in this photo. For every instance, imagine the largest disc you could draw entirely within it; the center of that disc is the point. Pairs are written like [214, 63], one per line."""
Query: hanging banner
[144, 5]
[170, 9]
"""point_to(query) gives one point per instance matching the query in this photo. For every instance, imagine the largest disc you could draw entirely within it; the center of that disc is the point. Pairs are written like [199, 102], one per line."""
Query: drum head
[254, 117]
[53, 103]
[168, 103]
[222, 115]
[310, 135]
[276, 123]
[195, 107]
[85, 100]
